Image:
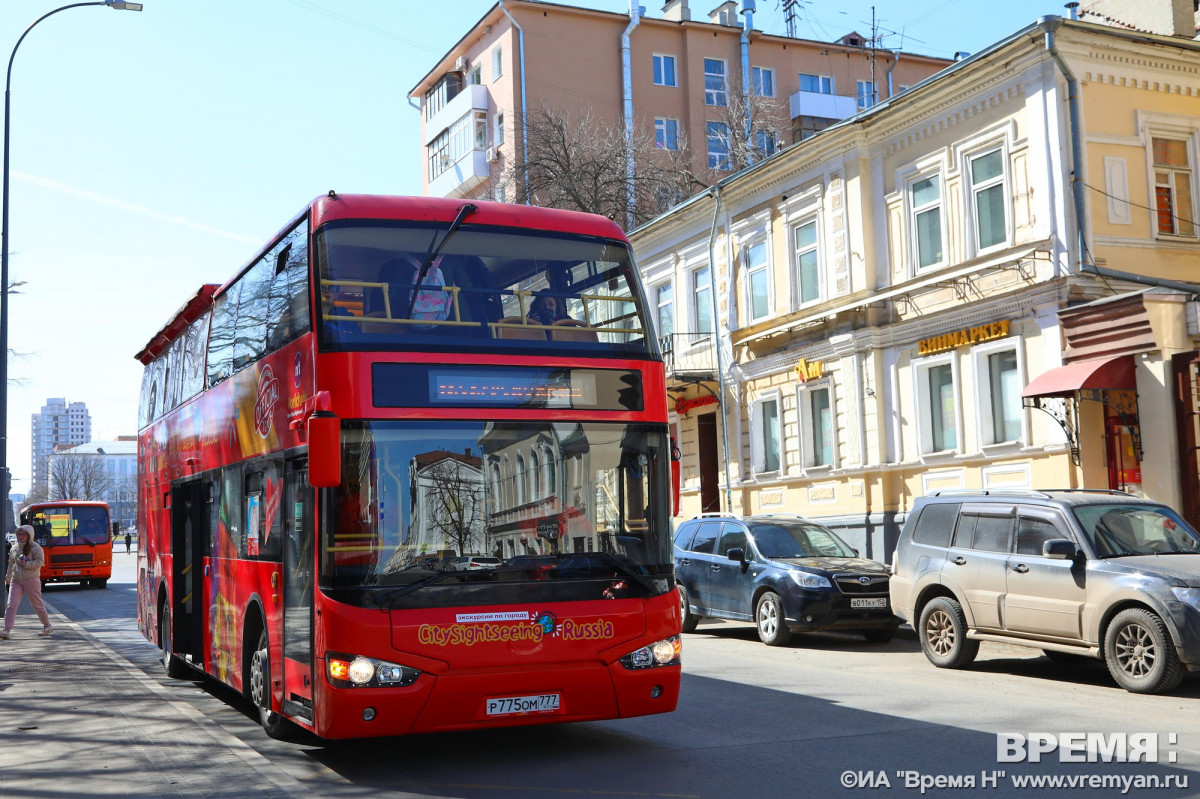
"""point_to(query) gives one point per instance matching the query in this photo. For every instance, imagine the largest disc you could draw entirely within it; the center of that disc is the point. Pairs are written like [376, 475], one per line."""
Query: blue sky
[153, 152]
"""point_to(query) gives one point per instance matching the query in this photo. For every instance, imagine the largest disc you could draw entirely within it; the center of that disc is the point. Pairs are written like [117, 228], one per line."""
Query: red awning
[1101, 373]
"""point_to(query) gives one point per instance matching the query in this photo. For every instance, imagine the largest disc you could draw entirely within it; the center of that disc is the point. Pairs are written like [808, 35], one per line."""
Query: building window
[1174, 212]
[702, 302]
[763, 81]
[666, 134]
[758, 281]
[766, 449]
[987, 193]
[1000, 394]
[937, 399]
[925, 198]
[766, 142]
[714, 82]
[866, 93]
[664, 70]
[808, 274]
[498, 129]
[819, 84]
[480, 130]
[718, 145]
[475, 75]
[817, 430]
[497, 63]
[665, 296]
[442, 92]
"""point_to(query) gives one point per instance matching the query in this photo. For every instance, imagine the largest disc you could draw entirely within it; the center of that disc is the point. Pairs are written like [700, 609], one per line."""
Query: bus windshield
[67, 525]
[554, 503]
[486, 289]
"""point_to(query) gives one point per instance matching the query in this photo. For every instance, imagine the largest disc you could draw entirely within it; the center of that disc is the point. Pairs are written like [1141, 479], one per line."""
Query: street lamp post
[121, 6]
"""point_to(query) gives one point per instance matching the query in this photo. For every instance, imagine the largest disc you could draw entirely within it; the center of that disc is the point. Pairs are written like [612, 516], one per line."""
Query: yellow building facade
[986, 282]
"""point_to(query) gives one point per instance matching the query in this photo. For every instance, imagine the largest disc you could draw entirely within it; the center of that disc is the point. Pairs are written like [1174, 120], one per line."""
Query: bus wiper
[628, 571]
[404, 590]
[466, 210]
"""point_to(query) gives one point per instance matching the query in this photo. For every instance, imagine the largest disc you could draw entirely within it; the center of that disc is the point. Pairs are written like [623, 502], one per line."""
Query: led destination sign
[397, 385]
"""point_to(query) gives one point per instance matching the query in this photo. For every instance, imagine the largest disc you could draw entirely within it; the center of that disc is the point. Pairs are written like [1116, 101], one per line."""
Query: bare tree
[749, 127]
[74, 476]
[453, 503]
[579, 162]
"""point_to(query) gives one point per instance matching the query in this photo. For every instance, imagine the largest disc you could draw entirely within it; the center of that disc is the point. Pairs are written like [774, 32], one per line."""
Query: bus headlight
[660, 653]
[357, 671]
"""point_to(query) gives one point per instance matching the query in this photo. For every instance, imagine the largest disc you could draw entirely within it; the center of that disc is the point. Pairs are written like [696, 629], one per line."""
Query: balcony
[825, 106]
[463, 175]
[689, 357]
[471, 98]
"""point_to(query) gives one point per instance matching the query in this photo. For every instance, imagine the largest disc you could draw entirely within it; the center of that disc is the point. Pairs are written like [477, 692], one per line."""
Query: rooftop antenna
[789, 15]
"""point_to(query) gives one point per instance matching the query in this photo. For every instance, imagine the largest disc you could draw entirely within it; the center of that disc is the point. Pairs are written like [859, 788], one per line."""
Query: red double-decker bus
[409, 471]
[77, 540]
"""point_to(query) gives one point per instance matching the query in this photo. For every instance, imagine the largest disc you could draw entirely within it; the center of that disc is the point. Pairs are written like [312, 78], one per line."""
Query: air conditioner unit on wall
[460, 65]
[492, 154]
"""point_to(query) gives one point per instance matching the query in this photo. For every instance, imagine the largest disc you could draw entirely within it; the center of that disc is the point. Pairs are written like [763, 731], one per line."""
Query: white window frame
[908, 178]
[750, 271]
[666, 131]
[659, 305]
[804, 403]
[823, 82]
[758, 455]
[980, 357]
[1188, 137]
[794, 225]
[921, 369]
[722, 161]
[868, 99]
[498, 129]
[699, 335]
[498, 63]
[658, 64]
[766, 142]
[971, 153]
[756, 81]
[712, 95]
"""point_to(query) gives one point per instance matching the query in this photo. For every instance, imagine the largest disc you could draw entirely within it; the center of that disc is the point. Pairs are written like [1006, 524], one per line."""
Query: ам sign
[806, 371]
[961, 338]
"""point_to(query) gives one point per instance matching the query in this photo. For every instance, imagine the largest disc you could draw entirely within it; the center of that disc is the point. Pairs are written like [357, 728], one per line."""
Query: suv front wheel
[770, 620]
[1140, 654]
[943, 633]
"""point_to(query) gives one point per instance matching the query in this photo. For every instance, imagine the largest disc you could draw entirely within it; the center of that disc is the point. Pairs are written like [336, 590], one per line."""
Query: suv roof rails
[800, 516]
[1114, 491]
[999, 492]
[710, 514]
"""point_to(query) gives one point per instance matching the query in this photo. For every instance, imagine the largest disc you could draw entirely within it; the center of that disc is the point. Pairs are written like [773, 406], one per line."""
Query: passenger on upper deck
[546, 309]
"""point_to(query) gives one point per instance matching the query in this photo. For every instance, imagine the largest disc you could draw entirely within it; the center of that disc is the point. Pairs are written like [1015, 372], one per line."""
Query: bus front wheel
[259, 687]
[173, 666]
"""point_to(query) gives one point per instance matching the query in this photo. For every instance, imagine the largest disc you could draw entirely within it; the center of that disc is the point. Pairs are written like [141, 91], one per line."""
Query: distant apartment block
[59, 423]
[674, 76]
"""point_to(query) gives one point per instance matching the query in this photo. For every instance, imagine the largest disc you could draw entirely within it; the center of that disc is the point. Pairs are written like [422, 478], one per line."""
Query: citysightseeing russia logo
[264, 406]
[481, 628]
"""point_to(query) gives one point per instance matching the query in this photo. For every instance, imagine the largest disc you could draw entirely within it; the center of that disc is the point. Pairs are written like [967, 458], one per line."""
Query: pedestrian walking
[24, 579]
[128, 541]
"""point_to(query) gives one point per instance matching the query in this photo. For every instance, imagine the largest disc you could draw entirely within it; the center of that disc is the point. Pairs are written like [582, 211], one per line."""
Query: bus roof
[192, 310]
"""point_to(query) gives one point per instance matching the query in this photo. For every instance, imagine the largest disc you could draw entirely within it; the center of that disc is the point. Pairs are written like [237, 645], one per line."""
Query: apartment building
[58, 423]
[987, 282]
[675, 76]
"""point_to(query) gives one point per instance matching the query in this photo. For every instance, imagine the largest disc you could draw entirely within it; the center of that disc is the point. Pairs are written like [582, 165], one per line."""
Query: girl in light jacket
[24, 579]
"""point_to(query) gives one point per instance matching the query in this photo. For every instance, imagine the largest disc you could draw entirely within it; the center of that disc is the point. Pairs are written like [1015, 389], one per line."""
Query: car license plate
[72, 571]
[521, 705]
[881, 602]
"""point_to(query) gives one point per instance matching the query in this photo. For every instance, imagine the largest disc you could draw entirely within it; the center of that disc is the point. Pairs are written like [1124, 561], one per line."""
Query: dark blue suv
[785, 573]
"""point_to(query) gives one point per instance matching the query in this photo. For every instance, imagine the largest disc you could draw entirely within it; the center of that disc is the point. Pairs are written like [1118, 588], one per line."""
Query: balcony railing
[689, 355]
[825, 106]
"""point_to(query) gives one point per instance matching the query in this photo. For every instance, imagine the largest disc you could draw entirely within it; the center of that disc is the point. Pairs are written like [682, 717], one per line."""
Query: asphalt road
[810, 719]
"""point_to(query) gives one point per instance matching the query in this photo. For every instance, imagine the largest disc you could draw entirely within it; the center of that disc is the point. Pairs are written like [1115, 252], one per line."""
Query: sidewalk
[77, 719]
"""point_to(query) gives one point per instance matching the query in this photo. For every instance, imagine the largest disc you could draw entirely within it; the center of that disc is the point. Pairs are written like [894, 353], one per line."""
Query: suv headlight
[809, 580]
[660, 653]
[357, 671]
[1187, 595]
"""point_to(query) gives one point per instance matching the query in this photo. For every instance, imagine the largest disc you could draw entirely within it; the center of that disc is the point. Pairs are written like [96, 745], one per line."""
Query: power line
[307, 4]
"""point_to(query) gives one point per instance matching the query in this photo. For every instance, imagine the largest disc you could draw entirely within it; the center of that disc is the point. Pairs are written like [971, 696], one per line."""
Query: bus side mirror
[324, 450]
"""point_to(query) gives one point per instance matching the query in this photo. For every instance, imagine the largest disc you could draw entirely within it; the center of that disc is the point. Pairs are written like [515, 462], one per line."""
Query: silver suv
[1100, 574]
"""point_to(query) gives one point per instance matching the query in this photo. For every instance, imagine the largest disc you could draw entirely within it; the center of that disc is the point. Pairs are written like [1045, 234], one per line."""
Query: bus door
[189, 535]
[298, 570]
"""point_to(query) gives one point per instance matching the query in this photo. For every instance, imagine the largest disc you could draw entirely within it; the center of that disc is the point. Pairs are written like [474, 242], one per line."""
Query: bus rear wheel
[259, 689]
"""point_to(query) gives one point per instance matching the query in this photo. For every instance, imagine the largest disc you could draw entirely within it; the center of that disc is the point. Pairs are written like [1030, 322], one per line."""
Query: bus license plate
[72, 571]
[881, 602]
[519, 705]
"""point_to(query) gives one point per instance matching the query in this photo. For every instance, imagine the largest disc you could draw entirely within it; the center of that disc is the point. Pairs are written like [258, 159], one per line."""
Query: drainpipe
[635, 19]
[895, 58]
[524, 132]
[747, 26]
[716, 321]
